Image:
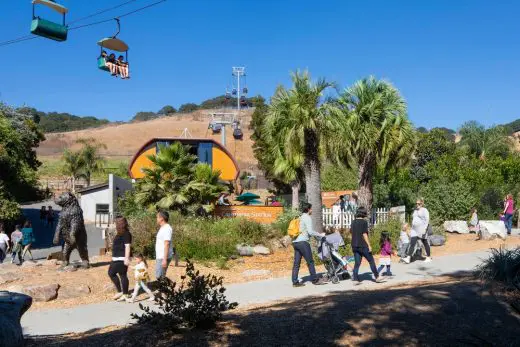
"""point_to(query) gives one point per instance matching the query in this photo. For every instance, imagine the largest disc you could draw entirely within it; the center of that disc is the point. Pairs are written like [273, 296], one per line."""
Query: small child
[385, 258]
[111, 63]
[16, 238]
[404, 240]
[501, 217]
[141, 277]
[122, 67]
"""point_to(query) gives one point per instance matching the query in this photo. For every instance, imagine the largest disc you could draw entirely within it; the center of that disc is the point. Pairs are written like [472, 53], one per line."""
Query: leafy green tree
[377, 133]
[91, 158]
[484, 142]
[73, 166]
[299, 116]
[144, 116]
[166, 110]
[188, 107]
[59, 122]
[337, 177]
[430, 147]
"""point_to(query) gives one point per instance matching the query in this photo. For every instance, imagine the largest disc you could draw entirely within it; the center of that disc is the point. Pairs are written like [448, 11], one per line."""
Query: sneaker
[388, 274]
[151, 299]
[380, 280]
[130, 300]
[298, 284]
[428, 260]
[406, 259]
[123, 298]
[117, 296]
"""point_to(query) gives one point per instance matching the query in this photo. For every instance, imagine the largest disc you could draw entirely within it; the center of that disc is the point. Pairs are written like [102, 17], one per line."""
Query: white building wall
[118, 187]
[90, 199]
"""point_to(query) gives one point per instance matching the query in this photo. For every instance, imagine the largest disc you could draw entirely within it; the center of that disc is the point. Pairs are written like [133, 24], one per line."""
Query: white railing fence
[338, 219]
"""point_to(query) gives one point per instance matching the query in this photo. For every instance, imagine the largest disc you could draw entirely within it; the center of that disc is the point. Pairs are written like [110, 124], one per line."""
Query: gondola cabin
[206, 150]
[46, 28]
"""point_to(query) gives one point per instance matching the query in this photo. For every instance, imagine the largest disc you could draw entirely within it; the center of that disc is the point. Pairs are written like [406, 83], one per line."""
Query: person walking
[302, 247]
[4, 243]
[16, 239]
[474, 226]
[141, 277]
[509, 209]
[117, 271]
[43, 216]
[50, 217]
[420, 222]
[27, 239]
[361, 245]
[163, 245]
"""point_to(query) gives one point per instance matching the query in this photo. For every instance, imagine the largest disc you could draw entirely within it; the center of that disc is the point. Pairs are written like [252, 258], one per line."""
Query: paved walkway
[87, 317]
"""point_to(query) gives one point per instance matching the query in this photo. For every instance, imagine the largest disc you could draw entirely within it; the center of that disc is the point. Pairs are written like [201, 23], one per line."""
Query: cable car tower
[241, 94]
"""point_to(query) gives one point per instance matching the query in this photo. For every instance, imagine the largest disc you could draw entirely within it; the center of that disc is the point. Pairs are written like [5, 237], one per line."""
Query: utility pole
[237, 72]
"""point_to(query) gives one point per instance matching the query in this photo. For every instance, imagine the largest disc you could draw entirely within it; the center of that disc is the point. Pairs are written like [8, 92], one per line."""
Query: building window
[102, 208]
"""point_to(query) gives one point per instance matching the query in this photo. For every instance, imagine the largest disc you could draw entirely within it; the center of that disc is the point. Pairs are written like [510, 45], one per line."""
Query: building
[207, 151]
[99, 202]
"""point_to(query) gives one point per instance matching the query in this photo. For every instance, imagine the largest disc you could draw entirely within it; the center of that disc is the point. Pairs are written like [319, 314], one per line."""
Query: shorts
[386, 261]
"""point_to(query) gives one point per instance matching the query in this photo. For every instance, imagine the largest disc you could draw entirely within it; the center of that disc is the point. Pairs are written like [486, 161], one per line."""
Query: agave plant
[503, 265]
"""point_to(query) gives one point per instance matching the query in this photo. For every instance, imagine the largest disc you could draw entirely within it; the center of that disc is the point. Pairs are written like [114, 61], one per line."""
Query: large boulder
[73, 291]
[456, 226]
[286, 241]
[262, 250]
[491, 229]
[245, 250]
[7, 277]
[12, 307]
[44, 292]
[30, 264]
[437, 240]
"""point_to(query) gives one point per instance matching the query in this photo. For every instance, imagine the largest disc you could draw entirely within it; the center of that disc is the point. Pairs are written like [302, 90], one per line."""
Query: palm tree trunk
[295, 186]
[366, 187]
[312, 168]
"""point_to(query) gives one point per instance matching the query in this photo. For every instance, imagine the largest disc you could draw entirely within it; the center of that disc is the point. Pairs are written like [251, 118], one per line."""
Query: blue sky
[452, 60]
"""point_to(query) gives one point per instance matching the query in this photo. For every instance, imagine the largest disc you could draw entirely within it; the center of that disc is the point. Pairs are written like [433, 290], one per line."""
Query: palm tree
[483, 142]
[73, 166]
[91, 158]
[298, 114]
[377, 133]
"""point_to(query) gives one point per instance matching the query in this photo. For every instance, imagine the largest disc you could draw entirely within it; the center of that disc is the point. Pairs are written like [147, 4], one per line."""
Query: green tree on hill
[144, 116]
[73, 166]
[484, 142]
[189, 107]
[167, 110]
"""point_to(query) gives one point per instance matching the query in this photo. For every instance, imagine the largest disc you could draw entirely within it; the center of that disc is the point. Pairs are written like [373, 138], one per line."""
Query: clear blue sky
[452, 60]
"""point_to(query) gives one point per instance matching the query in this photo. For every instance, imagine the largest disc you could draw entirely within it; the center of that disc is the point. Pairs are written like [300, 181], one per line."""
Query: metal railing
[103, 219]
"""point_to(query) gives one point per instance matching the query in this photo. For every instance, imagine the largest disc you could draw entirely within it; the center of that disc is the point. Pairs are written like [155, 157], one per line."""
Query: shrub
[281, 224]
[503, 265]
[198, 302]
[392, 226]
[143, 229]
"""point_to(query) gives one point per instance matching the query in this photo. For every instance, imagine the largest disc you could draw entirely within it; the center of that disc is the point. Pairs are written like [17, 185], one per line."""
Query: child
[16, 238]
[404, 240]
[111, 63]
[141, 277]
[385, 258]
[502, 217]
[122, 67]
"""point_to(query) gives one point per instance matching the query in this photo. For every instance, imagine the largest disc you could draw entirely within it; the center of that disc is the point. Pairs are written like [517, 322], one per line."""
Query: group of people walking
[361, 246]
[18, 244]
[121, 258]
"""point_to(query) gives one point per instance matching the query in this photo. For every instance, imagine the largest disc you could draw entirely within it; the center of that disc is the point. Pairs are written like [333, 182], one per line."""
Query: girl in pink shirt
[509, 209]
[385, 257]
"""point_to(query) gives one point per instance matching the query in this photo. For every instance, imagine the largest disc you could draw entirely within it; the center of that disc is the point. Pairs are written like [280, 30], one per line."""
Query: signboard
[260, 214]
[329, 198]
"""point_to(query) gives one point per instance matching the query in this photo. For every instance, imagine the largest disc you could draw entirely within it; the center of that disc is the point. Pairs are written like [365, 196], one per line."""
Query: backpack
[294, 228]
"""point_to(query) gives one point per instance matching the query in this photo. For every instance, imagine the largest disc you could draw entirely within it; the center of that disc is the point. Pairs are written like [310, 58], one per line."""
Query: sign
[329, 198]
[260, 214]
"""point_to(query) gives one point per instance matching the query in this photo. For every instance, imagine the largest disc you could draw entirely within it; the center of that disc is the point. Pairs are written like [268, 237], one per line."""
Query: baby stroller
[335, 264]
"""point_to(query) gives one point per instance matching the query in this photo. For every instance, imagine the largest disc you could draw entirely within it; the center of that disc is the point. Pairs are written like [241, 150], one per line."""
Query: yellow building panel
[142, 161]
[223, 162]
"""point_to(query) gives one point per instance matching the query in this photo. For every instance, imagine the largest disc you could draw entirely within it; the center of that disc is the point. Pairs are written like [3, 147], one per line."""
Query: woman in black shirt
[120, 259]
[361, 245]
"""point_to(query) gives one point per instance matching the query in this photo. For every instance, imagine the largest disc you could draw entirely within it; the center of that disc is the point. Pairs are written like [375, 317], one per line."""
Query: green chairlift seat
[46, 28]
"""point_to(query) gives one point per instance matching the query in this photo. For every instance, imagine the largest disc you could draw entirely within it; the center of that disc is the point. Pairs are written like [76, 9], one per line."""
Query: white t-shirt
[404, 237]
[4, 239]
[164, 234]
[420, 221]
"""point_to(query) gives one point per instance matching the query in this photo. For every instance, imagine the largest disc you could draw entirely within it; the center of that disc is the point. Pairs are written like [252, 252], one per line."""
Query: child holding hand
[141, 278]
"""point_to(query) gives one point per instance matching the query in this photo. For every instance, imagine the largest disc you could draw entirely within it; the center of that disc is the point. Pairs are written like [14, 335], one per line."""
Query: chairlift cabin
[216, 128]
[243, 101]
[238, 134]
[245, 90]
[228, 95]
[234, 91]
[45, 28]
[112, 44]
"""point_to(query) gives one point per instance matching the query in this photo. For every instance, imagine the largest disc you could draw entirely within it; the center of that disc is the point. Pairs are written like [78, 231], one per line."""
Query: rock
[12, 307]
[245, 250]
[46, 292]
[262, 250]
[286, 241]
[491, 229]
[275, 244]
[69, 268]
[75, 291]
[15, 289]
[233, 257]
[50, 262]
[437, 240]
[7, 277]
[7, 266]
[251, 273]
[55, 255]
[30, 264]
[456, 226]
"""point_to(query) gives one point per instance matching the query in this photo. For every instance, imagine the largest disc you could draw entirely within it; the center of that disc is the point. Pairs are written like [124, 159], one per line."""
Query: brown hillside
[123, 140]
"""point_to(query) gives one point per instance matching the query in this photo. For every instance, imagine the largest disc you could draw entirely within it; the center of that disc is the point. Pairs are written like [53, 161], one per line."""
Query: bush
[143, 229]
[392, 226]
[503, 265]
[197, 303]
[281, 224]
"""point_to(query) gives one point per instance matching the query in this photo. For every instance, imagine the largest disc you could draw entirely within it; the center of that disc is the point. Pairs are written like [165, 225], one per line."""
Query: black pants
[359, 253]
[413, 242]
[117, 272]
[302, 249]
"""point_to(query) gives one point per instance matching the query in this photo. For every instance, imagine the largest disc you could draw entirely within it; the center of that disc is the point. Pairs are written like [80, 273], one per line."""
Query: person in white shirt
[4, 244]
[420, 222]
[163, 245]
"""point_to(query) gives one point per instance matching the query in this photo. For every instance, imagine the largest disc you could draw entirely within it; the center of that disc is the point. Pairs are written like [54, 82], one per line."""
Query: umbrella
[253, 202]
[247, 197]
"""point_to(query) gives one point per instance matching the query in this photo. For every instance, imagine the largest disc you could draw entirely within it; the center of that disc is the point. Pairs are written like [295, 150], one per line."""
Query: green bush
[392, 226]
[143, 229]
[281, 224]
[503, 265]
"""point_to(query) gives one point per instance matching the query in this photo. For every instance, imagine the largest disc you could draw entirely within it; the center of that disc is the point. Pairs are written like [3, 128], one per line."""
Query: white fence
[338, 219]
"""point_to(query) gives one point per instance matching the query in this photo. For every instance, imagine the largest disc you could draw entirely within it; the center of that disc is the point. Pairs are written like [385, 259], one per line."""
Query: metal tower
[238, 71]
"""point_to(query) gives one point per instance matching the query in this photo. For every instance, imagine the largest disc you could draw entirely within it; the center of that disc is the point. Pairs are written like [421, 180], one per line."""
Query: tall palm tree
[377, 133]
[92, 159]
[73, 166]
[484, 142]
[299, 114]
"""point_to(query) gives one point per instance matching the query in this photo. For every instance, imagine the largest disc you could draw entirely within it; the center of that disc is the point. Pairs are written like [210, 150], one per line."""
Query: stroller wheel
[345, 276]
[335, 280]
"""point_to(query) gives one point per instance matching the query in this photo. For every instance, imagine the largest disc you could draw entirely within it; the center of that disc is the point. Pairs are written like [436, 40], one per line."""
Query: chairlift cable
[101, 12]
[31, 37]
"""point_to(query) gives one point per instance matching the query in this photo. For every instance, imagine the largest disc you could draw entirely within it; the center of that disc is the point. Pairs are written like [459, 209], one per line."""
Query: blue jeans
[302, 249]
[509, 222]
[159, 270]
[359, 253]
